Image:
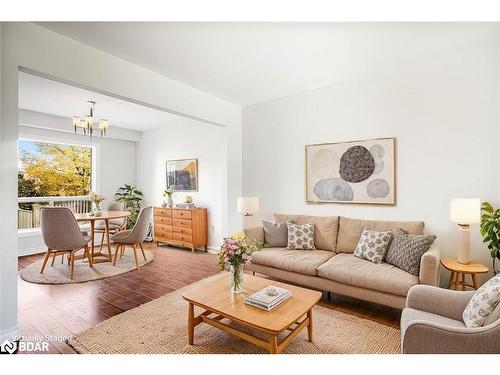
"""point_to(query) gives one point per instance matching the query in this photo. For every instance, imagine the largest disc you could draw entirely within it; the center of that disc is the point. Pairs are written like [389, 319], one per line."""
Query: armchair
[432, 323]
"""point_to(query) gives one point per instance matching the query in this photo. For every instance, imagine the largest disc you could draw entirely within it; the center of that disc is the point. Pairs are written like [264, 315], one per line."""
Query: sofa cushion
[301, 261]
[325, 228]
[347, 269]
[350, 230]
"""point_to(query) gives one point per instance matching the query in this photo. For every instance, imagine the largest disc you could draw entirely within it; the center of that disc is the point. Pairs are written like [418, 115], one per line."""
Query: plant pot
[236, 278]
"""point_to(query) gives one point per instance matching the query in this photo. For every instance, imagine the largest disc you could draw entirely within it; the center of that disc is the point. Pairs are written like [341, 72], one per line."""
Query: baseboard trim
[213, 250]
[31, 251]
[12, 335]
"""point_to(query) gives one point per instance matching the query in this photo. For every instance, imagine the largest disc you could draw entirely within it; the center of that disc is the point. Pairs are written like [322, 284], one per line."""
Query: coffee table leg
[273, 344]
[191, 323]
[310, 326]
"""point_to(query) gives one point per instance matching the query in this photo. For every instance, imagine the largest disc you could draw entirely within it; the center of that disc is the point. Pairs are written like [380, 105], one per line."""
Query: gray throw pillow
[372, 245]
[275, 234]
[406, 250]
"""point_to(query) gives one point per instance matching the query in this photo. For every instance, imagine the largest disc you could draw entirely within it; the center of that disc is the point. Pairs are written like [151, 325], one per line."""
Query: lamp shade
[465, 210]
[247, 205]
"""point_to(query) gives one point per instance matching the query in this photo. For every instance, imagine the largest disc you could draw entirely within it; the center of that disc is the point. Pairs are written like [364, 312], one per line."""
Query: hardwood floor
[64, 310]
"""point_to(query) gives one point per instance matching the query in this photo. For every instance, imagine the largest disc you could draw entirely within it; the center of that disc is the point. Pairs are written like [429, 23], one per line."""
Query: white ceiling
[247, 63]
[55, 98]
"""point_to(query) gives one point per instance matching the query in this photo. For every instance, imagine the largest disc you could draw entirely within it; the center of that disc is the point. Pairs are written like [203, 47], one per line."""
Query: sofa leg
[253, 273]
[329, 295]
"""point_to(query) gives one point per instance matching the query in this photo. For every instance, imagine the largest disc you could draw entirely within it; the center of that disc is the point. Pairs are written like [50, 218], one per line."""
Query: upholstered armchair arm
[256, 233]
[444, 302]
[421, 337]
[429, 267]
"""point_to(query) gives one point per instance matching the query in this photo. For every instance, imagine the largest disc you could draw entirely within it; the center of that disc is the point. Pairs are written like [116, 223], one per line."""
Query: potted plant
[490, 230]
[131, 197]
[96, 200]
[235, 252]
[169, 193]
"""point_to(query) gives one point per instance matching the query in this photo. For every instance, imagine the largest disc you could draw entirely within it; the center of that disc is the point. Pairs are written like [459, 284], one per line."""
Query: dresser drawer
[163, 212]
[183, 230]
[163, 237]
[182, 223]
[160, 228]
[182, 237]
[181, 214]
[163, 220]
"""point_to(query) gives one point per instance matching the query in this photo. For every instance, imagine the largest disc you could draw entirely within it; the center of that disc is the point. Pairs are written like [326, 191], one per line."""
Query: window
[52, 174]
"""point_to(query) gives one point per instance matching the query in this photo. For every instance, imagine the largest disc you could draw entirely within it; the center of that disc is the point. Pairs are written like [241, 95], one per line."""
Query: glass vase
[236, 278]
[96, 211]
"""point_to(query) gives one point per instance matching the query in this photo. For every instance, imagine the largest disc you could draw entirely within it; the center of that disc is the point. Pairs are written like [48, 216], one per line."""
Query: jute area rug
[60, 273]
[160, 327]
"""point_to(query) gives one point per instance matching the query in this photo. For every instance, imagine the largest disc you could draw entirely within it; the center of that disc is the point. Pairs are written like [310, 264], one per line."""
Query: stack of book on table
[264, 300]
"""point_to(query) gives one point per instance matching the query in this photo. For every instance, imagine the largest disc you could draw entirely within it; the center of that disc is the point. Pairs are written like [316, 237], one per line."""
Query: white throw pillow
[300, 237]
[373, 245]
[482, 303]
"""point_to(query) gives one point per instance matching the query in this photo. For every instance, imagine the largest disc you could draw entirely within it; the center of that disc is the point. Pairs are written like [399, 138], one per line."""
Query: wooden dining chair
[135, 236]
[61, 234]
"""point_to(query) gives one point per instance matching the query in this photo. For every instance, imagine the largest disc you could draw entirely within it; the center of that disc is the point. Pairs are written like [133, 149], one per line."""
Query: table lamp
[464, 211]
[247, 206]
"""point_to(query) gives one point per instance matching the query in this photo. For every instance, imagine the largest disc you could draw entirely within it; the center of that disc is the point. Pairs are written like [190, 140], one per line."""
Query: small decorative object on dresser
[184, 227]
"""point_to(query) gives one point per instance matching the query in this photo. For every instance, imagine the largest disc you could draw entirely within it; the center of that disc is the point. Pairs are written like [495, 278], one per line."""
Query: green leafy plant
[132, 198]
[490, 230]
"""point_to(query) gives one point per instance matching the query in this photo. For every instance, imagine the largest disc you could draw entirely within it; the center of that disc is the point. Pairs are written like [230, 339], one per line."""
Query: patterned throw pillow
[300, 237]
[406, 250]
[373, 245]
[482, 303]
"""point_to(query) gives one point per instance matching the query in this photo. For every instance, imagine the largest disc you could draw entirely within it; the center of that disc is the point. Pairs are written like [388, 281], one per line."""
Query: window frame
[94, 181]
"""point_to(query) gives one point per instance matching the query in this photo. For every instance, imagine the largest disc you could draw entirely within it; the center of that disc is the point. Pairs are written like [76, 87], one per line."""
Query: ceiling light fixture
[87, 123]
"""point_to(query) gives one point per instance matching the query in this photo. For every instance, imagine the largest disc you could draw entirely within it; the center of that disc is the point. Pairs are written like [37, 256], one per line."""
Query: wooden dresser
[184, 227]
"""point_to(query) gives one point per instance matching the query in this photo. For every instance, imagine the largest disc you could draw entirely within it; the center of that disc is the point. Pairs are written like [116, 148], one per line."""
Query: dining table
[106, 216]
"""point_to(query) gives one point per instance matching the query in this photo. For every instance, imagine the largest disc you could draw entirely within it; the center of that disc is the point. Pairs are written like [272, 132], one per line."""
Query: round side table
[459, 270]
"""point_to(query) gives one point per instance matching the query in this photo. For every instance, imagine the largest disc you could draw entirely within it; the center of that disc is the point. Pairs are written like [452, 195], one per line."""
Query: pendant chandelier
[88, 123]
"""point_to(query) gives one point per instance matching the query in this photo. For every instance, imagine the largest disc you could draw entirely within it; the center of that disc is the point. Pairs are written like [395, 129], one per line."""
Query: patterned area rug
[160, 327]
[59, 273]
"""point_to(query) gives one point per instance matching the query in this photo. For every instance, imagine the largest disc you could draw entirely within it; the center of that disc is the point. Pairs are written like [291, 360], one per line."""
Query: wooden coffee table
[219, 303]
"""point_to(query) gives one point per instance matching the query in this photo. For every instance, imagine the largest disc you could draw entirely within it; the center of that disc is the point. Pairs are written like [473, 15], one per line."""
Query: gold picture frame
[182, 174]
[366, 174]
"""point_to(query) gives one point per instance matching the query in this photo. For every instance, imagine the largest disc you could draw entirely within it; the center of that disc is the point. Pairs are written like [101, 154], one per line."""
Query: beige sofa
[333, 267]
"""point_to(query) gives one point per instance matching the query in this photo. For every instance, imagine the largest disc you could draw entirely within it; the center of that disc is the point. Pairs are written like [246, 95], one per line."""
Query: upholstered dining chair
[61, 234]
[135, 236]
[431, 323]
[115, 225]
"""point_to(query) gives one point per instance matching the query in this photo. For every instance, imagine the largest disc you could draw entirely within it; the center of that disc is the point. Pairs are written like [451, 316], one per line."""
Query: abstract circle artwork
[333, 189]
[351, 172]
[356, 164]
[378, 188]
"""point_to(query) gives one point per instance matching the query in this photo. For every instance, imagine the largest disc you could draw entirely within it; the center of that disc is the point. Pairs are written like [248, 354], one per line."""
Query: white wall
[443, 110]
[115, 160]
[185, 139]
[37, 49]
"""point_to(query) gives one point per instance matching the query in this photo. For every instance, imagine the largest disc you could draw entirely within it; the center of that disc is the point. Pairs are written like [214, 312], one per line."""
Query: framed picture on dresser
[182, 174]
